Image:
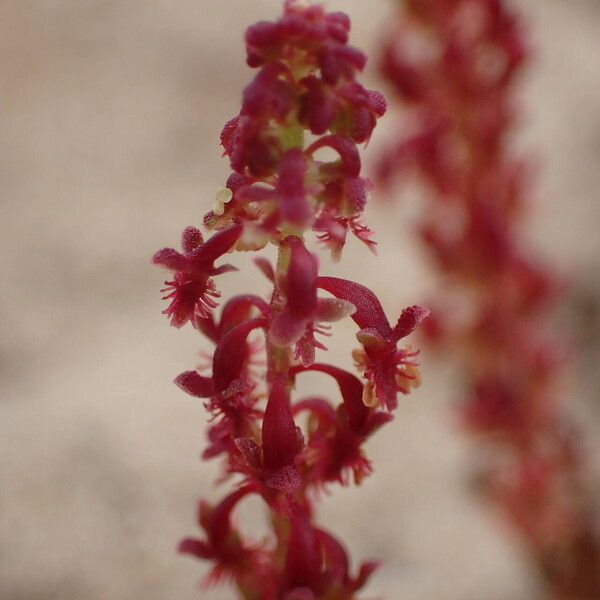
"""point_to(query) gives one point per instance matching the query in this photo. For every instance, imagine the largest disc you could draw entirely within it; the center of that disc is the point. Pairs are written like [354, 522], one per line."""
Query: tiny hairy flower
[192, 291]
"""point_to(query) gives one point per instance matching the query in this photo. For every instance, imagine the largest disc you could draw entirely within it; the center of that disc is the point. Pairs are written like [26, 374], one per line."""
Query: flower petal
[170, 259]
[351, 390]
[300, 284]
[281, 439]
[286, 329]
[195, 385]
[220, 243]
[265, 266]
[346, 149]
[409, 320]
[231, 353]
[303, 559]
[239, 309]
[190, 238]
[195, 548]
[369, 312]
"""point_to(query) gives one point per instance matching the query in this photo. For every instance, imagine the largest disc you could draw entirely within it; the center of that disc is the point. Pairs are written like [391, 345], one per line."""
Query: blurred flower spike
[453, 65]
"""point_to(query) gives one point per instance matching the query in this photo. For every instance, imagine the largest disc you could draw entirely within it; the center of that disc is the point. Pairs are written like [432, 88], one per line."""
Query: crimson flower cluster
[453, 64]
[304, 98]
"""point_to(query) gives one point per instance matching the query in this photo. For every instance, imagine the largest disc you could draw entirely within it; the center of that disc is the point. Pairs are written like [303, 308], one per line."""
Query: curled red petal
[170, 259]
[239, 309]
[337, 60]
[231, 353]
[286, 479]
[236, 181]
[256, 193]
[369, 312]
[191, 238]
[195, 385]
[265, 266]
[336, 557]
[195, 548]
[346, 149]
[268, 94]
[319, 407]
[377, 102]
[351, 390]
[216, 246]
[338, 26]
[280, 436]
[409, 320]
[330, 310]
[287, 329]
[300, 285]
[228, 135]
[208, 327]
[219, 520]
[250, 450]
[318, 105]
[366, 570]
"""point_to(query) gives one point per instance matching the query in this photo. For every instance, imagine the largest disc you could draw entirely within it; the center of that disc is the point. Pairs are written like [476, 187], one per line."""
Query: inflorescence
[304, 98]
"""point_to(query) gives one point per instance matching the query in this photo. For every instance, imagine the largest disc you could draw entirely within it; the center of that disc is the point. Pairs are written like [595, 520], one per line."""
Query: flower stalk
[304, 98]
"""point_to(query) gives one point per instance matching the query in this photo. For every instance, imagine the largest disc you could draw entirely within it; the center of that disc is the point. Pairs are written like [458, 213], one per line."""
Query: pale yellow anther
[408, 378]
[223, 196]
[369, 397]
[360, 358]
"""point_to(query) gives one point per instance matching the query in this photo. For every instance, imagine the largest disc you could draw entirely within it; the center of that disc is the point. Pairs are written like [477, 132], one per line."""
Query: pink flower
[336, 440]
[387, 368]
[230, 390]
[192, 291]
[223, 544]
[317, 565]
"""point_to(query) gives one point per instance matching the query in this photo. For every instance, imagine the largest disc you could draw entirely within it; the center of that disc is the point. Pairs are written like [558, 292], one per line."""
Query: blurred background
[109, 124]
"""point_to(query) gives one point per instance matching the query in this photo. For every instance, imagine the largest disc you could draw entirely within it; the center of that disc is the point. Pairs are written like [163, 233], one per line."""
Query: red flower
[223, 544]
[317, 565]
[192, 290]
[230, 389]
[388, 369]
[336, 436]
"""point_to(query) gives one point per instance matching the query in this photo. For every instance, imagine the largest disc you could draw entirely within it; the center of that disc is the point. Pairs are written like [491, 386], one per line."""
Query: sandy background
[110, 115]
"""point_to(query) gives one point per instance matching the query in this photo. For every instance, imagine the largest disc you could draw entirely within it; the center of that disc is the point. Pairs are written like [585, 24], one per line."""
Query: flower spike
[304, 102]
[460, 145]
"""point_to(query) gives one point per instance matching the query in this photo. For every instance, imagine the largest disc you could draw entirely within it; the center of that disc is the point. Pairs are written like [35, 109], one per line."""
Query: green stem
[278, 359]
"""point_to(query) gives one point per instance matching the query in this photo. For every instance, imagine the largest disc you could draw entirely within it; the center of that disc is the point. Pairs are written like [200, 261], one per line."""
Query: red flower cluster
[453, 64]
[278, 192]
